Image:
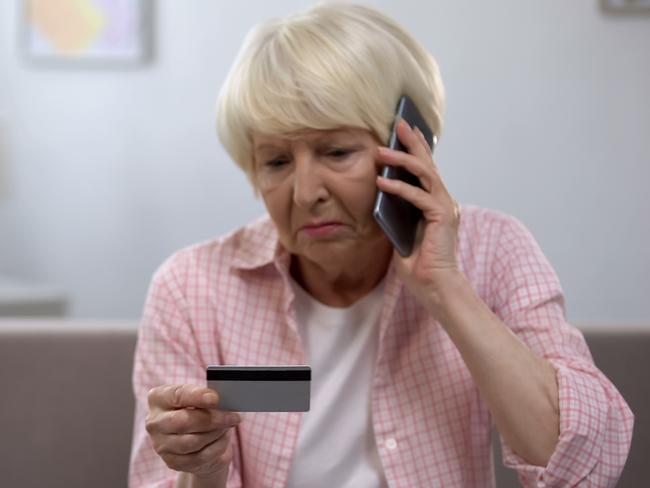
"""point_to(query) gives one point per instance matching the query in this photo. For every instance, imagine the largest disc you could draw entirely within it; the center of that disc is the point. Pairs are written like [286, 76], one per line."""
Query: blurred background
[109, 162]
[109, 159]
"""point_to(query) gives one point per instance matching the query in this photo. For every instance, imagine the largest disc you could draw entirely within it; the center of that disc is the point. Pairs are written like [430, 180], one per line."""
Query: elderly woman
[413, 358]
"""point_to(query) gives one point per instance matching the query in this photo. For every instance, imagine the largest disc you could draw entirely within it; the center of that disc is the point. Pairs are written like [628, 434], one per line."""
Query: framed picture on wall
[625, 6]
[86, 32]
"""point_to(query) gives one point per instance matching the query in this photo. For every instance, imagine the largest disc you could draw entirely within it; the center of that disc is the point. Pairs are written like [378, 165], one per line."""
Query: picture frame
[625, 7]
[90, 33]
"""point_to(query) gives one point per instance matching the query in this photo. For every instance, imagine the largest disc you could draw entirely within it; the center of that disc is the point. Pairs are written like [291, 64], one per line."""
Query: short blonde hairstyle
[334, 65]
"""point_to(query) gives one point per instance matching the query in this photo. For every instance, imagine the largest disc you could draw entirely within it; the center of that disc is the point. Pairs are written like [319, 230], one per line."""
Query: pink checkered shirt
[228, 301]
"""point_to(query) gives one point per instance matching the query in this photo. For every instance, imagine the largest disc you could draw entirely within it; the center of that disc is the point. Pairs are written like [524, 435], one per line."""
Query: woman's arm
[562, 421]
[166, 353]
[519, 387]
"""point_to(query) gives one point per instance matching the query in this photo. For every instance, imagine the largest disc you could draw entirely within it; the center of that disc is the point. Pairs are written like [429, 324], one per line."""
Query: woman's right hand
[188, 431]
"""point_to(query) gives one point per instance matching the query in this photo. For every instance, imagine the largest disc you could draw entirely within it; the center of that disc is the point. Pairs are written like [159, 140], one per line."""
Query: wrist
[450, 291]
[215, 479]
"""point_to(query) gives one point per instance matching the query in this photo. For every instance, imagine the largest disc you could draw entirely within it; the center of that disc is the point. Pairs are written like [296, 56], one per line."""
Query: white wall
[548, 119]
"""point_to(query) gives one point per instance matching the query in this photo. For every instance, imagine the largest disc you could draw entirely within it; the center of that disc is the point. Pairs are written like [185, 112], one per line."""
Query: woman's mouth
[322, 229]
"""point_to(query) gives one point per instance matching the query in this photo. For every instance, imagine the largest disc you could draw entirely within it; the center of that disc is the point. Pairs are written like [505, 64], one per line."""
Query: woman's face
[319, 189]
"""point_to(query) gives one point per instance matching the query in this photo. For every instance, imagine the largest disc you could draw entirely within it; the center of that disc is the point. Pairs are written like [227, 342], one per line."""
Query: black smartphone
[398, 218]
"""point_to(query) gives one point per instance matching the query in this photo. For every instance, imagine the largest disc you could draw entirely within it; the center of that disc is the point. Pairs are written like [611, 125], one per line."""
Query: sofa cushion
[624, 356]
[67, 404]
[66, 413]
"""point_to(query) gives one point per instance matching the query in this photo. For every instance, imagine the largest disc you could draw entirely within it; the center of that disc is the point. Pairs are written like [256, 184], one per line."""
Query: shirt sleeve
[167, 352]
[595, 421]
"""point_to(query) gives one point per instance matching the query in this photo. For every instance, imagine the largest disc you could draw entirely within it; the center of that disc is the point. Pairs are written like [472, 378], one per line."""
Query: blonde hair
[333, 65]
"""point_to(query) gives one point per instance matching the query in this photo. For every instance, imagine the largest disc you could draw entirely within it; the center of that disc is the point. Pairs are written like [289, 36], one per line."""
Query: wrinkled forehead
[313, 136]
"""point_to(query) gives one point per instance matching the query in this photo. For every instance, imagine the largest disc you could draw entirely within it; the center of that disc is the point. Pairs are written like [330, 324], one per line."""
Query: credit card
[261, 388]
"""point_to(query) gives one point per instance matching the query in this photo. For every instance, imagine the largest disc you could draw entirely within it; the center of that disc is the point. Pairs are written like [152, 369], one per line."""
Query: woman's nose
[308, 184]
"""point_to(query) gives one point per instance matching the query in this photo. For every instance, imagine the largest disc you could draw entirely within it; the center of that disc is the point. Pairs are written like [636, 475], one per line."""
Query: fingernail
[210, 398]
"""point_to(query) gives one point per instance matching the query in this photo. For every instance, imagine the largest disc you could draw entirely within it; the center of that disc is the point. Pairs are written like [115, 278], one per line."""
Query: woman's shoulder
[474, 217]
[491, 242]
[245, 246]
[491, 232]
[483, 222]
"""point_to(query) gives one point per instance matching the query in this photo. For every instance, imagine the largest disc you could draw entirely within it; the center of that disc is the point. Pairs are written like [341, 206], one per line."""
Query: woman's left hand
[433, 260]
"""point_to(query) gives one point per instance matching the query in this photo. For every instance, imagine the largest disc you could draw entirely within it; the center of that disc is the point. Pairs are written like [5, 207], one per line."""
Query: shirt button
[391, 444]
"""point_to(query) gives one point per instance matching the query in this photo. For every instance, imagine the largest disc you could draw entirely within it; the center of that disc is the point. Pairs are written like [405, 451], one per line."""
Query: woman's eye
[338, 153]
[275, 163]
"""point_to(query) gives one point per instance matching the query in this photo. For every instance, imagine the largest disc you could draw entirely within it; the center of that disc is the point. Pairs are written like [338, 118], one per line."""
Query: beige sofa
[67, 407]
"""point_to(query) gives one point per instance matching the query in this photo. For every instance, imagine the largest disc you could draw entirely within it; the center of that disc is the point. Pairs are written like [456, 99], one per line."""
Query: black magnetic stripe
[253, 375]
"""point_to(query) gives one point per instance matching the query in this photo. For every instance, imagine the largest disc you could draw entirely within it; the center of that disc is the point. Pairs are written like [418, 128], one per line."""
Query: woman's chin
[328, 252]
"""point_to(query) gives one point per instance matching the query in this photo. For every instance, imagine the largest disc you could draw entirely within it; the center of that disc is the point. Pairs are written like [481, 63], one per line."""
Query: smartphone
[398, 218]
[261, 388]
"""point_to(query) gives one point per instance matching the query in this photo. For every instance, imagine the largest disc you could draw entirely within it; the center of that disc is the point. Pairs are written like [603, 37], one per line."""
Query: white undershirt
[336, 443]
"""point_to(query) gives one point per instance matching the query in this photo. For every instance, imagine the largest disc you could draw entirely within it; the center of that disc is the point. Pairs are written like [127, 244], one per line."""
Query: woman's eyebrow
[335, 138]
[265, 146]
[265, 150]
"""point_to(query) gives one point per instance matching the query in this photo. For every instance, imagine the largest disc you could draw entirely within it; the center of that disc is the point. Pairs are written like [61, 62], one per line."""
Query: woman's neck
[341, 283]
